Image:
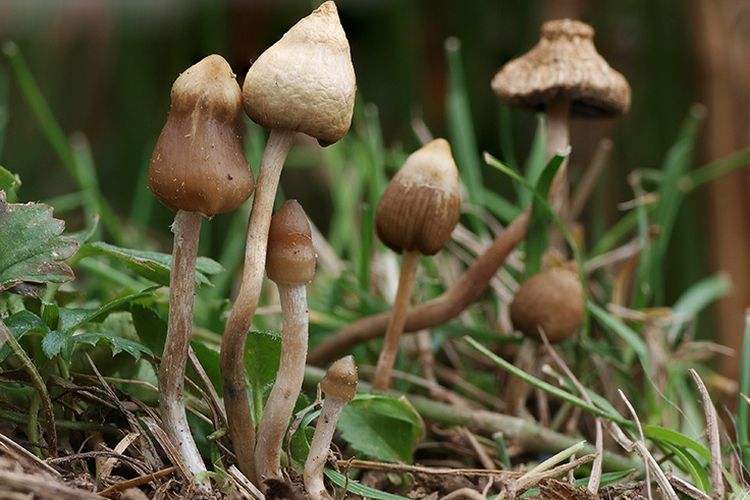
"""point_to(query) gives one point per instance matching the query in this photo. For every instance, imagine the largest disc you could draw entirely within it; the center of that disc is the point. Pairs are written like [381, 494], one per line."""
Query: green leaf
[150, 326]
[55, 343]
[72, 319]
[116, 344]
[262, 355]
[538, 232]
[698, 297]
[9, 182]
[381, 427]
[32, 248]
[154, 266]
[630, 337]
[20, 324]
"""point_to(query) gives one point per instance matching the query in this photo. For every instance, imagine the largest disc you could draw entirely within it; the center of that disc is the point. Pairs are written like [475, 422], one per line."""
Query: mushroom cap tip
[341, 379]
[291, 255]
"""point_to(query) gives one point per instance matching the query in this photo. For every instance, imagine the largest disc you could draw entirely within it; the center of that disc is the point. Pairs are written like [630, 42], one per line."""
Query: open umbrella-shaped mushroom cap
[198, 163]
[291, 256]
[564, 63]
[422, 204]
[305, 82]
[341, 379]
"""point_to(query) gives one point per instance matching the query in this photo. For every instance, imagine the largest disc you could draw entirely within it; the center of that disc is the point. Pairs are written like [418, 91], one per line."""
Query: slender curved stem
[319, 448]
[447, 306]
[280, 405]
[186, 229]
[236, 401]
[387, 359]
[557, 118]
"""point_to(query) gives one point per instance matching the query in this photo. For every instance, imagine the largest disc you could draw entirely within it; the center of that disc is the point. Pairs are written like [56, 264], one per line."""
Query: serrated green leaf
[32, 248]
[381, 427]
[154, 266]
[262, 355]
[55, 343]
[116, 344]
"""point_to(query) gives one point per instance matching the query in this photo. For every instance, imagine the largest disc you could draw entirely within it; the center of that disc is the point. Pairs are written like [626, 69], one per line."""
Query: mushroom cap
[340, 380]
[564, 63]
[198, 163]
[291, 256]
[422, 204]
[305, 82]
[551, 299]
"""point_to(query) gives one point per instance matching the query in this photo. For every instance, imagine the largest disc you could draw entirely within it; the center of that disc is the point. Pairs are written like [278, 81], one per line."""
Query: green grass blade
[718, 168]
[742, 403]
[536, 160]
[460, 126]
[359, 489]
[698, 297]
[626, 334]
[538, 233]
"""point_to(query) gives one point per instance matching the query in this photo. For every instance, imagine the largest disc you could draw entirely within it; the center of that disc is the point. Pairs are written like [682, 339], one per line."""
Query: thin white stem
[186, 229]
[319, 448]
[280, 405]
[387, 359]
[557, 117]
[236, 401]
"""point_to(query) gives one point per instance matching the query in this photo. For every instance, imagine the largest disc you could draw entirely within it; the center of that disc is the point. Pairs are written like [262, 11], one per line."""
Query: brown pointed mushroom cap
[291, 256]
[422, 204]
[564, 63]
[198, 164]
[341, 379]
[305, 82]
[551, 299]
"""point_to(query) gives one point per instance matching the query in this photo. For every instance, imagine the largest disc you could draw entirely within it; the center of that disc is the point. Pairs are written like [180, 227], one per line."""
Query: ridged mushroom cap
[291, 255]
[422, 204]
[305, 82]
[198, 163]
[341, 379]
[551, 299]
[564, 63]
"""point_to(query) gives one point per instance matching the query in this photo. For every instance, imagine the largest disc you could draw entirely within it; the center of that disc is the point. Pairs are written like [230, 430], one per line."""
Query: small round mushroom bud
[305, 82]
[564, 76]
[291, 265]
[551, 300]
[197, 168]
[198, 164]
[339, 386]
[422, 204]
[416, 215]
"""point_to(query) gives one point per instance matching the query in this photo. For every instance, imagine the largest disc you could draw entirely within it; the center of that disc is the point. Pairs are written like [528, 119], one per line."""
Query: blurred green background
[106, 68]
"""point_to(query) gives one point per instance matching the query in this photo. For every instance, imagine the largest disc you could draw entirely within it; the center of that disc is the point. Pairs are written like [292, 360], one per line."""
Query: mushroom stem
[388, 353]
[186, 229]
[320, 446]
[280, 406]
[239, 417]
[448, 305]
[557, 120]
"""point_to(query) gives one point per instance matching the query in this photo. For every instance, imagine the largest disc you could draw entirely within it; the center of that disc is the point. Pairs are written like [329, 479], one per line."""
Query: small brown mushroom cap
[341, 379]
[551, 299]
[198, 163]
[564, 63]
[422, 204]
[291, 255]
[305, 82]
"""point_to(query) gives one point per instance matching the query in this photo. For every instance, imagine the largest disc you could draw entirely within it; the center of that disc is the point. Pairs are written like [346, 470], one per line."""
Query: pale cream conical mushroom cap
[564, 63]
[305, 82]
[422, 204]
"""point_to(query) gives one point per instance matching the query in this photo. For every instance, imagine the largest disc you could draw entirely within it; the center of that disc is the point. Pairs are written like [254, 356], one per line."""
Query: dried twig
[137, 481]
[714, 443]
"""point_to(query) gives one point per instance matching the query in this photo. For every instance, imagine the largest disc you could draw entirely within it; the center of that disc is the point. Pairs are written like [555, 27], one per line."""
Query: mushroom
[551, 300]
[416, 215]
[198, 168]
[303, 83]
[291, 265]
[339, 386]
[564, 76]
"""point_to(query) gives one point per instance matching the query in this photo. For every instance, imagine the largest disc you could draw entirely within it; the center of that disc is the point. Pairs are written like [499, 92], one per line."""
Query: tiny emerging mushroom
[339, 385]
[303, 83]
[291, 265]
[197, 169]
[416, 215]
[564, 76]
